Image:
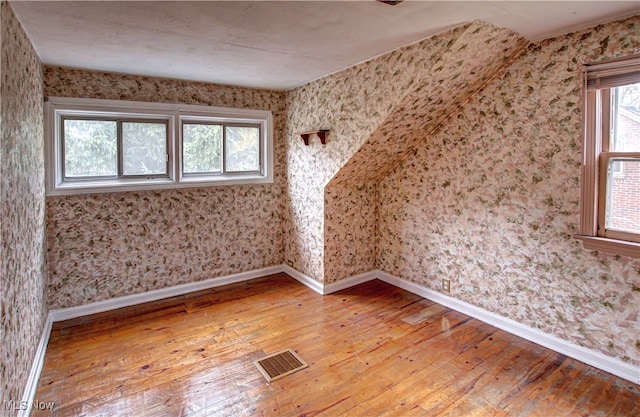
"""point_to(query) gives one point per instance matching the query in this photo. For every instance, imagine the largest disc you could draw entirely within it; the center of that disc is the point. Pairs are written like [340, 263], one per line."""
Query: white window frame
[58, 107]
[599, 79]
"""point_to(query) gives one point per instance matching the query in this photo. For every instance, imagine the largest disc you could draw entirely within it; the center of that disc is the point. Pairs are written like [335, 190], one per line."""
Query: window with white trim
[96, 147]
[106, 145]
[610, 204]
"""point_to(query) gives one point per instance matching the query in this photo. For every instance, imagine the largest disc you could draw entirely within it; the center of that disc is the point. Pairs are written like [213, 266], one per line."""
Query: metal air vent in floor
[279, 365]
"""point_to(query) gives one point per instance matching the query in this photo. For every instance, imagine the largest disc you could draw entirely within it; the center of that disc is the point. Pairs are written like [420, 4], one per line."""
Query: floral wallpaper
[375, 112]
[23, 275]
[108, 245]
[491, 201]
[350, 233]
[351, 103]
[477, 54]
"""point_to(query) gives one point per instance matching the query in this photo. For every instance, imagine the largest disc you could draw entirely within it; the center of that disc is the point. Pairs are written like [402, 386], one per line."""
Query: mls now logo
[25, 405]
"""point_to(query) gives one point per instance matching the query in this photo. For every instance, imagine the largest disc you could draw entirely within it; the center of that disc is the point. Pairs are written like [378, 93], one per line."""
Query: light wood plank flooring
[373, 350]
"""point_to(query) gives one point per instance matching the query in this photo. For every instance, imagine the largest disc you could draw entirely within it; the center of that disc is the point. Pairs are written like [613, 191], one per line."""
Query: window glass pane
[626, 118]
[242, 148]
[617, 167]
[144, 148]
[90, 148]
[201, 146]
[623, 196]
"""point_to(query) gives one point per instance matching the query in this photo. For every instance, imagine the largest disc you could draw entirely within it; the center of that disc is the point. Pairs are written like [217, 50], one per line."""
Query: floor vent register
[279, 365]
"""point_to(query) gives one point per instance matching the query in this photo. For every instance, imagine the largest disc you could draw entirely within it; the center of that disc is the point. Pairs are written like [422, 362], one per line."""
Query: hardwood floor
[192, 356]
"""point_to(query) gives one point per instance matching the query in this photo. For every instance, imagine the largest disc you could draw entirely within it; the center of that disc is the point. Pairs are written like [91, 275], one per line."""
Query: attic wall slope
[351, 103]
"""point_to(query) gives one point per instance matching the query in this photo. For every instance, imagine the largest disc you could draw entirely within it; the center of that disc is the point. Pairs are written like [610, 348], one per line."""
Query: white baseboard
[324, 289]
[304, 279]
[349, 282]
[154, 295]
[36, 368]
[591, 357]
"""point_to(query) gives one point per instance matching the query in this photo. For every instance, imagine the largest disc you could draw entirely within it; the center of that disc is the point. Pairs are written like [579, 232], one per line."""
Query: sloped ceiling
[478, 54]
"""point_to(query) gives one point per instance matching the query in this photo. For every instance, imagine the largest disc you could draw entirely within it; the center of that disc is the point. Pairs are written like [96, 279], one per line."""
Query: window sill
[617, 247]
[155, 184]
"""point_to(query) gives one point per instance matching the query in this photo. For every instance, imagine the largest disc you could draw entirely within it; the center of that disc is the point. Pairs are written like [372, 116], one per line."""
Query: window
[97, 148]
[105, 145]
[610, 212]
[204, 144]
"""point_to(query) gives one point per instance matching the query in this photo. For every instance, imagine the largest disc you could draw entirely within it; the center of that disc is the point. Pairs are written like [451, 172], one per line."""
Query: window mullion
[177, 164]
[120, 151]
[602, 192]
[627, 155]
[223, 150]
[167, 149]
[603, 163]
[605, 110]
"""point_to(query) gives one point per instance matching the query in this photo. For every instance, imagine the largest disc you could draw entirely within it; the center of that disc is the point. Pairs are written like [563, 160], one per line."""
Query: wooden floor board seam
[162, 359]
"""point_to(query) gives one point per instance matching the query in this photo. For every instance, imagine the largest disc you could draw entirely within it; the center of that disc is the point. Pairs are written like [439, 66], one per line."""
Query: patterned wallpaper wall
[108, 245]
[376, 111]
[477, 55]
[352, 103]
[350, 230]
[491, 202]
[23, 274]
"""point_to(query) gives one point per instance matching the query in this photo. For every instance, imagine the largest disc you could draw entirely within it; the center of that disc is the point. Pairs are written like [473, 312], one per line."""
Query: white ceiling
[271, 44]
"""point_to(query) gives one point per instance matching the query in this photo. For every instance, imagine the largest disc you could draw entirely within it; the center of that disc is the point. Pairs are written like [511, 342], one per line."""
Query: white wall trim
[154, 295]
[324, 289]
[304, 279]
[36, 368]
[591, 357]
[349, 282]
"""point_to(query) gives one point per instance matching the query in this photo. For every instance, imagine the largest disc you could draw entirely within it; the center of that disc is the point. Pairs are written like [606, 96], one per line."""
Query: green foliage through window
[97, 145]
[243, 148]
[144, 148]
[92, 148]
[201, 144]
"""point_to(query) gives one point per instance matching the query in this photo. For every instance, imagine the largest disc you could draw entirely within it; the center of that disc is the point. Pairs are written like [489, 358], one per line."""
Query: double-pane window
[102, 145]
[620, 163]
[209, 148]
[101, 149]
[611, 170]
